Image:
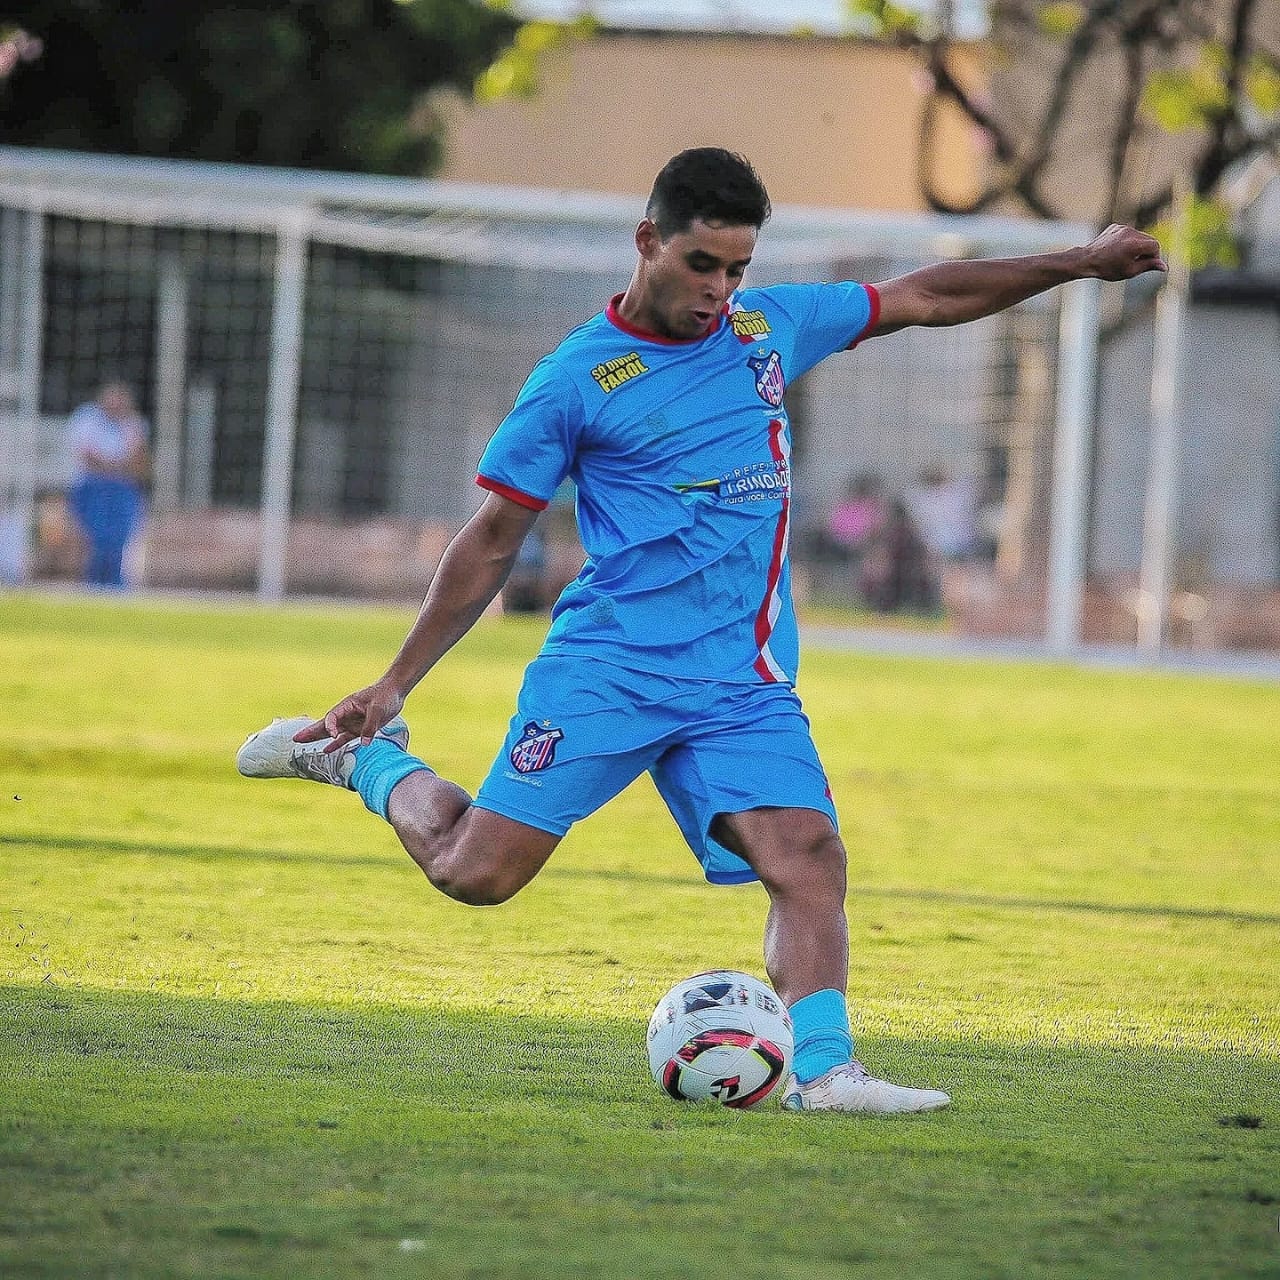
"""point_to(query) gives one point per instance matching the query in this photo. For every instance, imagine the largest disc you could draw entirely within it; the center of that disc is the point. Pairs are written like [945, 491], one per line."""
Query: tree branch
[946, 84]
[1122, 133]
[1214, 159]
[1078, 51]
[1268, 140]
[926, 152]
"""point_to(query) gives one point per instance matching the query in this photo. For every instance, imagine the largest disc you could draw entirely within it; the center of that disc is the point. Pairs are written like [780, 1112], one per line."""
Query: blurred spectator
[832, 550]
[858, 514]
[525, 590]
[945, 511]
[897, 574]
[109, 441]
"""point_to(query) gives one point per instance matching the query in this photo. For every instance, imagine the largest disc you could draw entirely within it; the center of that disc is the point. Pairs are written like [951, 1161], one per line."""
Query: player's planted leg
[801, 862]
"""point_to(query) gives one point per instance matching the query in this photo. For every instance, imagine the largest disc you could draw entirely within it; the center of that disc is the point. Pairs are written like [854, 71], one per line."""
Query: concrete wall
[1230, 468]
[827, 122]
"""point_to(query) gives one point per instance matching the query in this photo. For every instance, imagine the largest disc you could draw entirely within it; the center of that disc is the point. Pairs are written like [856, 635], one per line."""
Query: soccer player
[675, 649]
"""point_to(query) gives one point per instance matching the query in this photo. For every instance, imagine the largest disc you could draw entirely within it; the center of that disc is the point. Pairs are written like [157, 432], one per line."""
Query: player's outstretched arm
[470, 574]
[955, 292]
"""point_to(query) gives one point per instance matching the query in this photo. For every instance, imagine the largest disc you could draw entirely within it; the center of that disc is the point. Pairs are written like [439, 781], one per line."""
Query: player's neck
[634, 312]
[631, 313]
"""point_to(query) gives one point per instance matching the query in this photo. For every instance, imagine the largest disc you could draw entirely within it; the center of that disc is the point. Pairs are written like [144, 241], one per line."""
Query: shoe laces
[310, 760]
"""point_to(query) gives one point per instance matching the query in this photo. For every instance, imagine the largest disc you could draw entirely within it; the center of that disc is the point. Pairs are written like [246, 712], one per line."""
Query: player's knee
[825, 850]
[471, 889]
[474, 881]
[814, 862]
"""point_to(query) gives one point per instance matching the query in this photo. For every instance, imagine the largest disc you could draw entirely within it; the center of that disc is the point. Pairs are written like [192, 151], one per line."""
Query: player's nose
[717, 287]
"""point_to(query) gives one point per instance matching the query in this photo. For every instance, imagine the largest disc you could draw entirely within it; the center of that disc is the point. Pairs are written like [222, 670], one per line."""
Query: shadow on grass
[241, 853]
[487, 1057]
[195, 852]
[288, 1139]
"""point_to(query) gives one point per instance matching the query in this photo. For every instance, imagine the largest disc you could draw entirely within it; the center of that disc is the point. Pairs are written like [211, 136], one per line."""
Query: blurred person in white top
[944, 508]
[109, 441]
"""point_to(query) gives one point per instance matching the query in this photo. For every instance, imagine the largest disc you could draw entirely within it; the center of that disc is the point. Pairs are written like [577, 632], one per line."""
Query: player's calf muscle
[469, 854]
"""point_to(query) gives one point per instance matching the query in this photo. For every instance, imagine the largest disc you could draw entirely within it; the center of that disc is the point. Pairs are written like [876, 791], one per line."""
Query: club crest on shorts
[770, 382]
[536, 748]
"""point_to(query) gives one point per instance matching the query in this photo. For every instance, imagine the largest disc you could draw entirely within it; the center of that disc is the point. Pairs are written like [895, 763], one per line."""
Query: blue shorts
[584, 729]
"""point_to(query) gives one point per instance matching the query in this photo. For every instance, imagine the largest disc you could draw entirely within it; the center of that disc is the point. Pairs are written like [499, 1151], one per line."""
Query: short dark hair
[708, 183]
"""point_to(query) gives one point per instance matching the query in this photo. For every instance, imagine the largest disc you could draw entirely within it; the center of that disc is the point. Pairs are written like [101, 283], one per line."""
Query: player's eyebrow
[701, 258]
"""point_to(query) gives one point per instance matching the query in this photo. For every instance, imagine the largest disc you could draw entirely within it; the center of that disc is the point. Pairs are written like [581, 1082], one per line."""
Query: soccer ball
[722, 1036]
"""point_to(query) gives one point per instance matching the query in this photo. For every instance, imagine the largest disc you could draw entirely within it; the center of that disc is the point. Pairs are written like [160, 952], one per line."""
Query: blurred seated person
[897, 573]
[835, 548]
[109, 442]
[944, 509]
[858, 514]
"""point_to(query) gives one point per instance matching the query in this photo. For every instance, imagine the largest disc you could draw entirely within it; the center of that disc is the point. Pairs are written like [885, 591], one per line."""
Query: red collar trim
[614, 318]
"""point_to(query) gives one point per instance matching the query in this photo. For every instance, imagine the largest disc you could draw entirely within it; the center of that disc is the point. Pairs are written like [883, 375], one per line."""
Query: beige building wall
[827, 122]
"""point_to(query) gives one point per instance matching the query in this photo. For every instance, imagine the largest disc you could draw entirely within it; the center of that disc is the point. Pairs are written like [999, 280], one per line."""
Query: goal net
[321, 359]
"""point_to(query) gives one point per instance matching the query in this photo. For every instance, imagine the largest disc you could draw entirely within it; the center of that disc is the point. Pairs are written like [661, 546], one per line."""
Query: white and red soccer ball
[721, 1036]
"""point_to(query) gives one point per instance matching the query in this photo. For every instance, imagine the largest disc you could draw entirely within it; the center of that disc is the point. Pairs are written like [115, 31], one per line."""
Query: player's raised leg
[801, 861]
[470, 854]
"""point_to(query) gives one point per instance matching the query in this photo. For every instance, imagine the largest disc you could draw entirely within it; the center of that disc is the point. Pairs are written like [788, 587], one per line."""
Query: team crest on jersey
[613, 373]
[536, 748]
[770, 383]
[749, 326]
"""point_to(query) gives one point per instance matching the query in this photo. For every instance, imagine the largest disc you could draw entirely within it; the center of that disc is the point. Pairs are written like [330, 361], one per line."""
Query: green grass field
[243, 1037]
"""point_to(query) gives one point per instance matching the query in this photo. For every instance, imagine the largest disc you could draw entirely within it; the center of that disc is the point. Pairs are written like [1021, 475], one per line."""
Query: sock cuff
[825, 1010]
[380, 767]
[822, 1034]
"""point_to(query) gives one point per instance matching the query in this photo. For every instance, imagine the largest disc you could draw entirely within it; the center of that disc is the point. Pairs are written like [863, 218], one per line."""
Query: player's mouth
[704, 319]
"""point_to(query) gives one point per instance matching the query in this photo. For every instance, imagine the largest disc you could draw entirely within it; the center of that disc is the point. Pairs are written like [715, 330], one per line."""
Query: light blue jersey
[681, 454]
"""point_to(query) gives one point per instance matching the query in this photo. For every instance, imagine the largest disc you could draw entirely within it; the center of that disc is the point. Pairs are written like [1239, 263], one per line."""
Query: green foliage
[244, 1038]
[883, 18]
[1262, 84]
[1189, 97]
[516, 73]
[313, 84]
[1201, 234]
[1060, 19]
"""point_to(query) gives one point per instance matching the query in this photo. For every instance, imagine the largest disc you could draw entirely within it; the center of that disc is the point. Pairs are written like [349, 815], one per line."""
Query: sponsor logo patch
[752, 483]
[536, 748]
[612, 374]
[749, 325]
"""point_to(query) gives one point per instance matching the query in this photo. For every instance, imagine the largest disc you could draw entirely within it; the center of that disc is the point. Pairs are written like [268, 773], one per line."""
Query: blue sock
[823, 1038]
[379, 766]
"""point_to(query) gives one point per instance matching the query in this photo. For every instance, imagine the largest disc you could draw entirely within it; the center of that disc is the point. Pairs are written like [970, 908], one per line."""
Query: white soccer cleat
[849, 1087]
[272, 752]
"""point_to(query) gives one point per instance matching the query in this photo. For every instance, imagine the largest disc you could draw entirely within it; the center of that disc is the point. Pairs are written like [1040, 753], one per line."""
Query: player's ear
[648, 238]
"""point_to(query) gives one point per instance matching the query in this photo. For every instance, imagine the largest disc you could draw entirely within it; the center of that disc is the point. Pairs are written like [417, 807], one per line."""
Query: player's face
[688, 277]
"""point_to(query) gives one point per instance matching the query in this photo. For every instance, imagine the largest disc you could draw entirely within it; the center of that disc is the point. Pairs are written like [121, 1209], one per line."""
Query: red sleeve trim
[512, 495]
[873, 296]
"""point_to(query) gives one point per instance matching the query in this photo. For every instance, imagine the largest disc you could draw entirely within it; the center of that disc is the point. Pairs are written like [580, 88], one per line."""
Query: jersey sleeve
[827, 318]
[532, 450]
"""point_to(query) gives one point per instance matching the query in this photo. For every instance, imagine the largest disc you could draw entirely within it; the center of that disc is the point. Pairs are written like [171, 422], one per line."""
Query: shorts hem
[747, 875]
[536, 821]
[730, 877]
